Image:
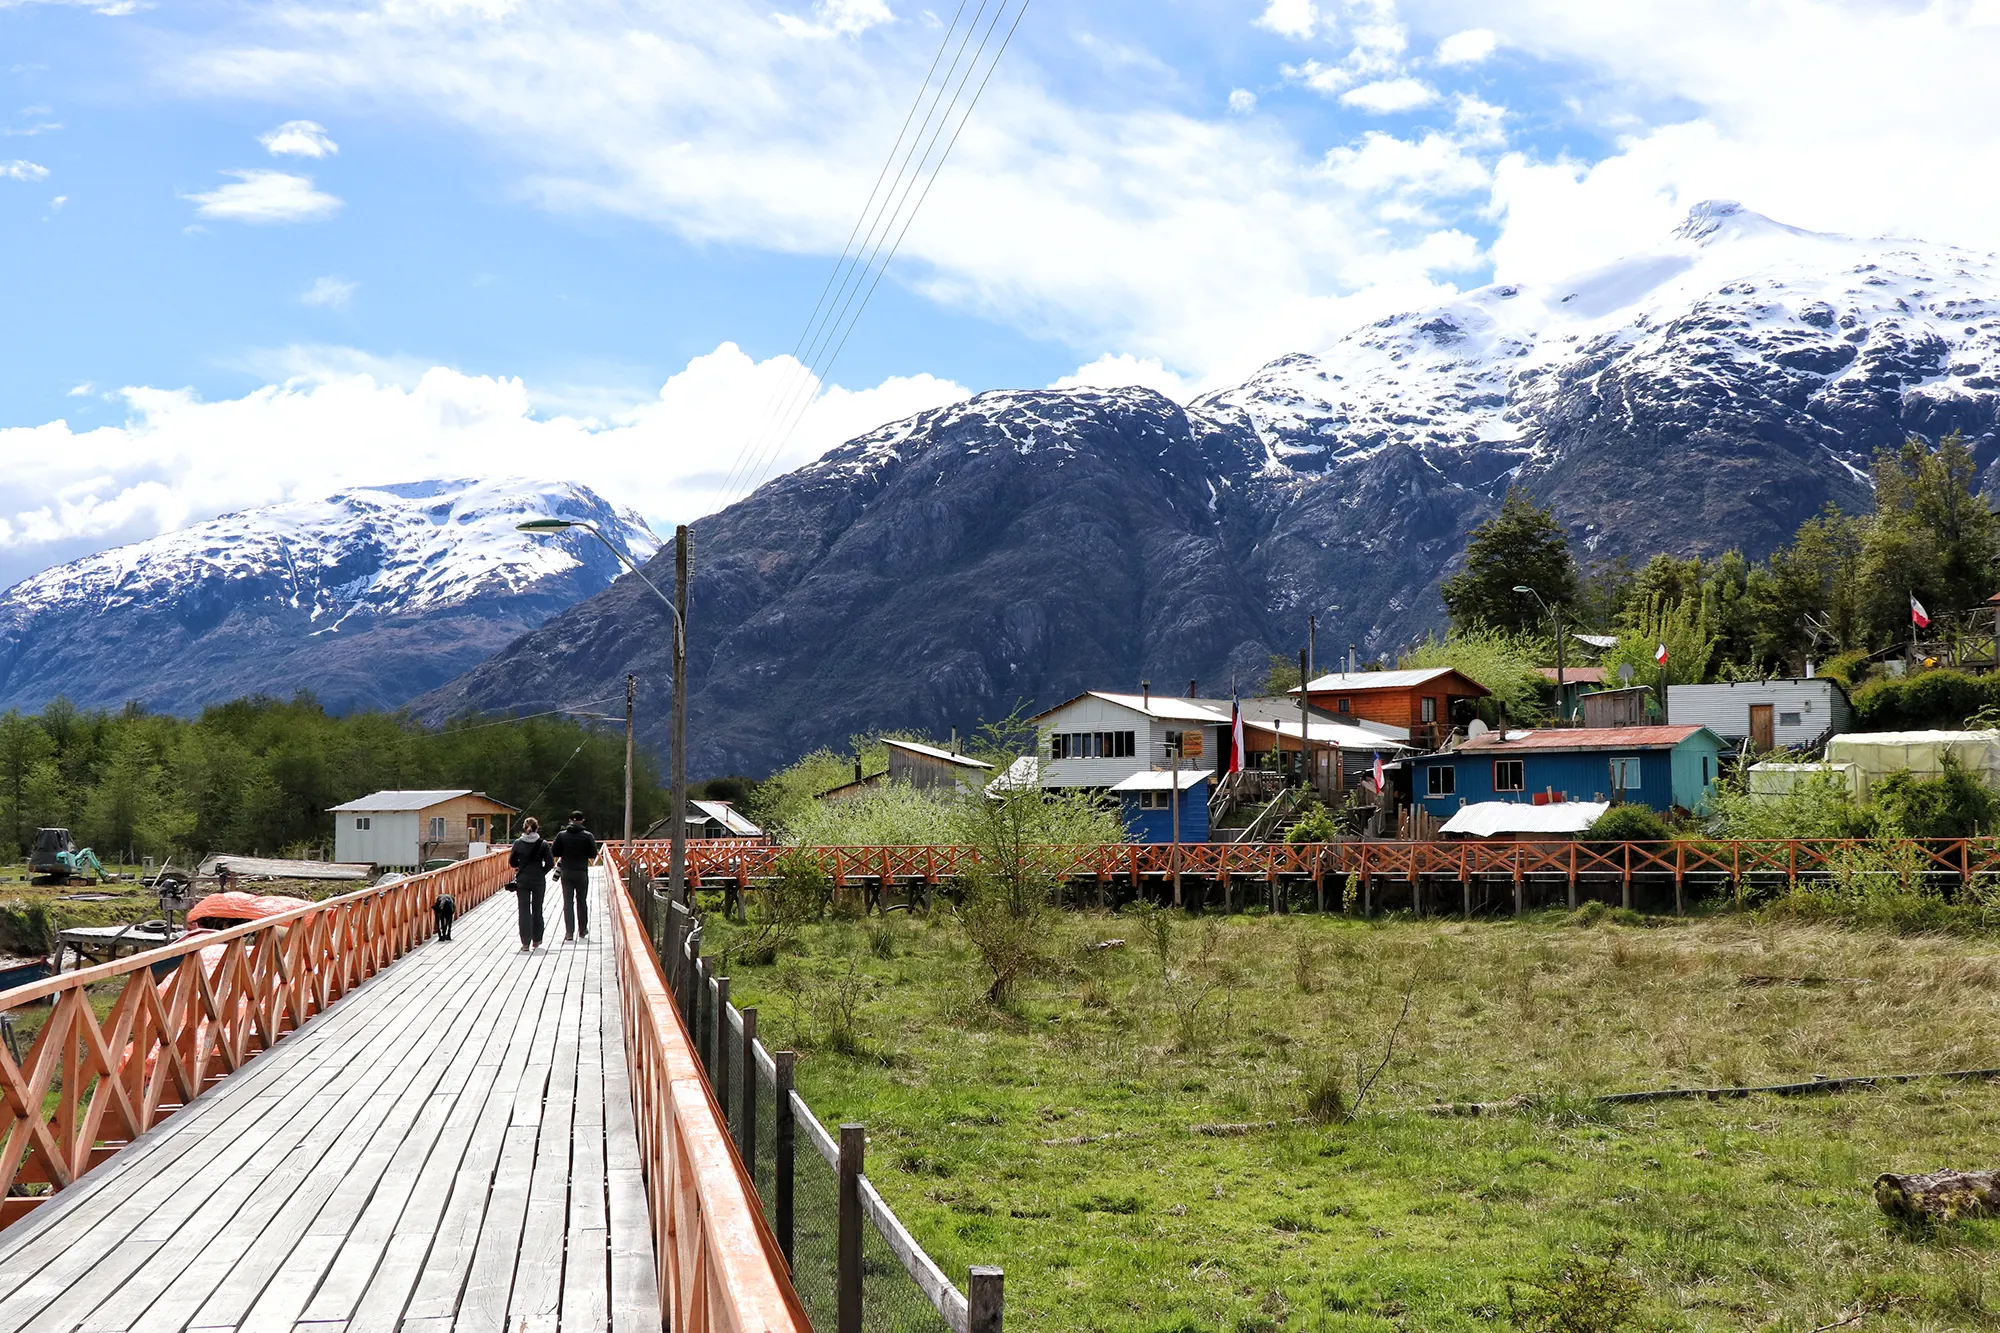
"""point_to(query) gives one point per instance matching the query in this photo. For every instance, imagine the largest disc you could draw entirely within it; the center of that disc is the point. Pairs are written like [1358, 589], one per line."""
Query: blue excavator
[56, 859]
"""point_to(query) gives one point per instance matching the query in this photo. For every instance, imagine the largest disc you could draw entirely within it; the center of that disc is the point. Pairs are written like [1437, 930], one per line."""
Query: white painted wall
[389, 840]
[1724, 708]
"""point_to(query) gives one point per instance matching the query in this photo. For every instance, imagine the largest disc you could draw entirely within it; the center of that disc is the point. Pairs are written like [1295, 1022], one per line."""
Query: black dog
[446, 911]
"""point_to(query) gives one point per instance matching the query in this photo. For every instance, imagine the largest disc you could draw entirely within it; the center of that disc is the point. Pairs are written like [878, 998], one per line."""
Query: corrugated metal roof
[1344, 735]
[1163, 780]
[1167, 707]
[933, 752]
[1586, 738]
[1575, 675]
[1483, 819]
[1375, 680]
[723, 814]
[400, 801]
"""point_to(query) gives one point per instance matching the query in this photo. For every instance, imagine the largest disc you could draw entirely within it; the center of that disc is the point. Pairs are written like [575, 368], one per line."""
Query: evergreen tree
[1932, 537]
[1522, 545]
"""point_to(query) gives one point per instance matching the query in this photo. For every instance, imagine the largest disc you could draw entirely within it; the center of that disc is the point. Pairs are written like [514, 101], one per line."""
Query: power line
[848, 245]
[857, 272]
[528, 717]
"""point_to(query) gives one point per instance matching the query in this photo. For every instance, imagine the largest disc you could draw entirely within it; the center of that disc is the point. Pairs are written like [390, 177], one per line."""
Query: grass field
[1076, 1137]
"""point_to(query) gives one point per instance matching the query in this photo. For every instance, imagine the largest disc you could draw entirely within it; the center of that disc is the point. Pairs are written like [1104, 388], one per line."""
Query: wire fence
[855, 1266]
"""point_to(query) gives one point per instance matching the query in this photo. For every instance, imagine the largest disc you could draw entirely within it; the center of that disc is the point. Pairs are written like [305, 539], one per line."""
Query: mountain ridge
[368, 597]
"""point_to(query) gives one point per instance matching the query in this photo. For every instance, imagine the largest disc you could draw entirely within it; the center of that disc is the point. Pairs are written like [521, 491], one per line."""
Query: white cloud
[1290, 18]
[1466, 48]
[177, 459]
[838, 18]
[18, 170]
[1327, 79]
[1435, 164]
[1113, 372]
[266, 196]
[1242, 101]
[328, 291]
[299, 138]
[1068, 222]
[1390, 95]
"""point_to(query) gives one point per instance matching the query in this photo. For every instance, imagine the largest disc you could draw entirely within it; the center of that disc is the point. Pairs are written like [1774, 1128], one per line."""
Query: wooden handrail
[231, 993]
[720, 1268]
[737, 863]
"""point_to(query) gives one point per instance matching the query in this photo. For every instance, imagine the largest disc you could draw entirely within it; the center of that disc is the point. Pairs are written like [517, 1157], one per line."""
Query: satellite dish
[1475, 728]
[1625, 672]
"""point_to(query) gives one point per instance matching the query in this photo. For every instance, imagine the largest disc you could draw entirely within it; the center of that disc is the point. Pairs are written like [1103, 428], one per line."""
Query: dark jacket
[575, 848]
[532, 860]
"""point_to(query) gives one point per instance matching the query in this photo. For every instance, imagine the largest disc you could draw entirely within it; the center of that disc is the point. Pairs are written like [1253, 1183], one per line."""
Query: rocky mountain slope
[1708, 394]
[367, 598]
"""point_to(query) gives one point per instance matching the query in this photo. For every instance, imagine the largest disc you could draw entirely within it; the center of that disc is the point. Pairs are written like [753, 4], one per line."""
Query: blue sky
[495, 229]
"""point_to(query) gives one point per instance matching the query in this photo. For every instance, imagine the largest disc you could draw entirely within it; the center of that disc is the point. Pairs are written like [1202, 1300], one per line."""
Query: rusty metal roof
[1584, 738]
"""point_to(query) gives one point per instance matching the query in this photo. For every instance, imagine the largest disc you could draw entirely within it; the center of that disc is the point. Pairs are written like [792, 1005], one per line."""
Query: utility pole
[631, 684]
[1305, 711]
[677, 873]
[1174, 803]
[1312, 637]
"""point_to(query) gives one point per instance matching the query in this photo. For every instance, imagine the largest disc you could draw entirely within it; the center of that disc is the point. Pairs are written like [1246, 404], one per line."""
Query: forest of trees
[1838, 593]
[257, 775]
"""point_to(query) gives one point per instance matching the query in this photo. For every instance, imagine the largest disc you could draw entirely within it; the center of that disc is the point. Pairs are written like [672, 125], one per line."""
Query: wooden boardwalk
[448, 1147]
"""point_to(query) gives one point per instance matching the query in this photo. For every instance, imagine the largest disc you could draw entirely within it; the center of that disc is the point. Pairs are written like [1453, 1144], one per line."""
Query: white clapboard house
[1790, 713]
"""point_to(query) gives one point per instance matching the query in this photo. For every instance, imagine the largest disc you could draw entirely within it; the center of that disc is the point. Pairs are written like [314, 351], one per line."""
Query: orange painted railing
[718, 863]
[229, 995]
[721, 1270]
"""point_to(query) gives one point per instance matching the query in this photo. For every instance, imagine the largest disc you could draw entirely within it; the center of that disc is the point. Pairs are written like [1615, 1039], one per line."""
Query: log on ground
[1939, 1195]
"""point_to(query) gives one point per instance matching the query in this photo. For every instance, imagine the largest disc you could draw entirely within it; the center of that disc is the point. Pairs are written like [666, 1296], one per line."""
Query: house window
[1441, 780]
[1625, 773]
[1091, 745]
[1704, 770]
[437, 828]
[1153, 800]
[1187, 744]
[1790, 720]
[476, 826]
[1428, 705]
[361, 823]
[1508, 775]
[1343, 706]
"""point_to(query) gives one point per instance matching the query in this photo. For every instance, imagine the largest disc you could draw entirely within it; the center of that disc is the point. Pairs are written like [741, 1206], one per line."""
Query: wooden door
[1760, 728]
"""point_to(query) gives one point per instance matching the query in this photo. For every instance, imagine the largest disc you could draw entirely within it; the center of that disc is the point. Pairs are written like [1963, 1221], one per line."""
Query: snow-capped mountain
[1843, 336]
[1710, 393]
[366, 597]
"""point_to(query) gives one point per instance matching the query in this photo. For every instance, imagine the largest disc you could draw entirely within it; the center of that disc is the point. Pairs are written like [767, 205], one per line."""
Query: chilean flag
[1235, 737]
[1660, 654]
[1378, 771]
[1918, 615]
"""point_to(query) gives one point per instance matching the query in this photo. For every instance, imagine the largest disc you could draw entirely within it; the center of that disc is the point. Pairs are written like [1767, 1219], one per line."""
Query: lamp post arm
[680, 630]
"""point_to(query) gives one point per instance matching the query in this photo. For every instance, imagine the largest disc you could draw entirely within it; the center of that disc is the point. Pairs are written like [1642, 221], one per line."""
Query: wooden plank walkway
[450, 1146]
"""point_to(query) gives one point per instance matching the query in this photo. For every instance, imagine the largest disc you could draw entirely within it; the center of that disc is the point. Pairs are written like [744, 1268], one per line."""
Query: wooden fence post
[985, 1292]
[782, 1143]
[718, 1045]
[1625, 897]
[747, 1140]
[847, 1302]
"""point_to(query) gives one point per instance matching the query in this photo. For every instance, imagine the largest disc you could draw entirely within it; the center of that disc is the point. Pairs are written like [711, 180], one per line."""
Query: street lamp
[1555, 615]
[547, 527]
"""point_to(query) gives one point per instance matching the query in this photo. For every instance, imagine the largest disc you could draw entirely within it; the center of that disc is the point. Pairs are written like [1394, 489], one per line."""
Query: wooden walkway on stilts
[450, 1146]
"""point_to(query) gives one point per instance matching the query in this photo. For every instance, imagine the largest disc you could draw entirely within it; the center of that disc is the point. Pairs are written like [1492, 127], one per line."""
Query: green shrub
[1317, 824]
[1628, 823]
[1942, 699]
[1954, 804]
[1578, 1294]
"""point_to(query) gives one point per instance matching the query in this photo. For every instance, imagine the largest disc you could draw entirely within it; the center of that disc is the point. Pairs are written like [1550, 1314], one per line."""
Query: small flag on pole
[1918, 616]
[1660, 654]
[1235, 737]
[1378, 771]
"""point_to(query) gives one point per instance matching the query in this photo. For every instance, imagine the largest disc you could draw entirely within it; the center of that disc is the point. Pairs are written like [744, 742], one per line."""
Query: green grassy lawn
[1063, 1137]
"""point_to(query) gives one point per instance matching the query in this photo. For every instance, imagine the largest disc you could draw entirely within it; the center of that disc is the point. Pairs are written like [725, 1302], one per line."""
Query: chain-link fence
[854, 1265]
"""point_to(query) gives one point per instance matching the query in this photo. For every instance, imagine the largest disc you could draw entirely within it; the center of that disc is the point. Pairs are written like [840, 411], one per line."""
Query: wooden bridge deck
[448, 1147]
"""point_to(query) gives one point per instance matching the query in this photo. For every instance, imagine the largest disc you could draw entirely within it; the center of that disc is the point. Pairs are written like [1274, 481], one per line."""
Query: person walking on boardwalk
[532, 860]
[575, 848]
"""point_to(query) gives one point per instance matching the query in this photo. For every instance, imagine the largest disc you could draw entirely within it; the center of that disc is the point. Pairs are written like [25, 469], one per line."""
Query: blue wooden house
[1146, 803]
[1661, 767]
